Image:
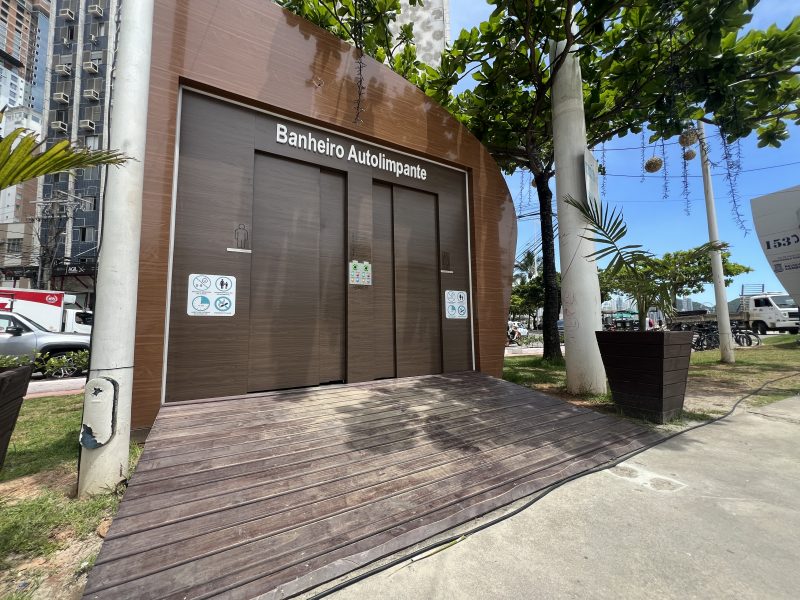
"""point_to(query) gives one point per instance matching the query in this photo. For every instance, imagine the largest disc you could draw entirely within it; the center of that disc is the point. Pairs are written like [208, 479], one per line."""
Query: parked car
[20, 336]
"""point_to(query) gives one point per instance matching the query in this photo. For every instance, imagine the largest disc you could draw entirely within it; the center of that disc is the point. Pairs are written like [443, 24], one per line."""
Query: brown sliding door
[332, 278]
[382, 357]
[297, 279]
[416, 282]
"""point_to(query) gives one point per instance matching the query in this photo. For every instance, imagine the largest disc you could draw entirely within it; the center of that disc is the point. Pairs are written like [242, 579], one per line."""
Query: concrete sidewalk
[39, 387]
[712, 513]
[527, 351]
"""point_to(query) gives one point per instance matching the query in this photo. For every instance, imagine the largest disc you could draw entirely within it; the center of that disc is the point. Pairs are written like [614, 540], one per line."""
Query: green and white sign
[360, 273]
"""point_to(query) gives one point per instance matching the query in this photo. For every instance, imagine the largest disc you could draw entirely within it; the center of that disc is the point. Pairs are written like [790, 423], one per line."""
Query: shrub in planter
[646, 370]
[66, 365]
[7, 362]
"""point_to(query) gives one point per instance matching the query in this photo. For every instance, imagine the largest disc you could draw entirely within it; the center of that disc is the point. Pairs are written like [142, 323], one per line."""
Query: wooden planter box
[647, 371]
[13, 387]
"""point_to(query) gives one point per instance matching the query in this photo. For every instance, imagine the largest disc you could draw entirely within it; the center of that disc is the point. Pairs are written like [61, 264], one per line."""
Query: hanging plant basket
[654, 164]
[688, 137]
[689, 154]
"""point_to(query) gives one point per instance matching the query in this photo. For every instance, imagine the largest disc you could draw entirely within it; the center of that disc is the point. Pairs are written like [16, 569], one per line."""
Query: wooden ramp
[268, 495]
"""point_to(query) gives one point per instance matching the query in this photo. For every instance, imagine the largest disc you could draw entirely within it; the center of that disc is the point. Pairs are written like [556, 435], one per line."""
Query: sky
[662, 225]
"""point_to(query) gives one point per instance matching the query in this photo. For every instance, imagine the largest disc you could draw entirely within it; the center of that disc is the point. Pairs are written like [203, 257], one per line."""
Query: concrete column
[580, 287]
[717, 274]
[105, 433]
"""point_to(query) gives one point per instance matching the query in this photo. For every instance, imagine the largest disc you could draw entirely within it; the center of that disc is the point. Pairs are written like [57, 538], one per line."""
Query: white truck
[770, 311]
[47, 308]
[761, 312]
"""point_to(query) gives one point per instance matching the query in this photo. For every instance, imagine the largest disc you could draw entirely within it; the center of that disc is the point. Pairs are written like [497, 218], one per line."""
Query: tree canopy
[655, 64]
[646, 63]
[371, 26]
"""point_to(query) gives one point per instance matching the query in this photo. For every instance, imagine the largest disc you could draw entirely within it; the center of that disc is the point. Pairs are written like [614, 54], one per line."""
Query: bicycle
[745, 337]
[706, 337]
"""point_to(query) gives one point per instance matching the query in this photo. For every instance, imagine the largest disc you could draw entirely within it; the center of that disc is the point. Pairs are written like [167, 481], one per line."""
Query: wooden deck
[276, 493]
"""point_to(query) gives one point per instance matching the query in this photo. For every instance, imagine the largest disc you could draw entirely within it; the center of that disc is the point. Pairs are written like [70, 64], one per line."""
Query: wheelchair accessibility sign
[455, 304]
[211, 295]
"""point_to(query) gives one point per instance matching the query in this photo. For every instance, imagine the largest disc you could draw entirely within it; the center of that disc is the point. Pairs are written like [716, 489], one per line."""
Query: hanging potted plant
[647, 370]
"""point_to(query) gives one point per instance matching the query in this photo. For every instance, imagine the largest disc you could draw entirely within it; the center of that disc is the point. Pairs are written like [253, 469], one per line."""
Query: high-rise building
[24, 25]
[431, 28]
[76, 104]
[36, 64]
[23, 48]
[17, 203]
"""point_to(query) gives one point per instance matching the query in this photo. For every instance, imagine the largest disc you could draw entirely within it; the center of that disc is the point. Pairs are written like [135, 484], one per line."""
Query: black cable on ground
[541, 494]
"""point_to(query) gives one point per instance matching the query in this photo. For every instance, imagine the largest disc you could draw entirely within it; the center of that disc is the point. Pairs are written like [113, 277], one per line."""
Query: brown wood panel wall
[285, 278]
[360, 306]
[265, 57]
[213, 178]
[454, 275]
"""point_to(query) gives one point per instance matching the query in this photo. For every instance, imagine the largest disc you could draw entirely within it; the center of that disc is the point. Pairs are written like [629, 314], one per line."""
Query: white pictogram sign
[360, 273]
[455, 304]
[211, 295]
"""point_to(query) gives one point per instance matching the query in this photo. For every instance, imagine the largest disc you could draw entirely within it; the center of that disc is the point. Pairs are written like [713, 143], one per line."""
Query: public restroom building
[285, 245]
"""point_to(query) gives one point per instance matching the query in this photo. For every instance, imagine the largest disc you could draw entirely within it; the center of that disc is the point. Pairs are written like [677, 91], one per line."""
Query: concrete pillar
[105, 433]
[580, 287]
[717, 274]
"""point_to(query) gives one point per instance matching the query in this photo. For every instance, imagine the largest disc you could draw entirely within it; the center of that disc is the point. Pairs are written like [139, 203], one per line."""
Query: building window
[91, 173]
[14, 246]
[87, 234]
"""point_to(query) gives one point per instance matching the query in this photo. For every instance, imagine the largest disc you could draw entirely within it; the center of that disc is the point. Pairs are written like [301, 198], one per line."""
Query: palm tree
[632, 270]
[23, 157]
[527, 267]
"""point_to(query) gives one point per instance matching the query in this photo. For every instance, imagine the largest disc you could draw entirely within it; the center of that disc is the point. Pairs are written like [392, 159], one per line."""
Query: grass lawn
[774, 367]
[47, 536]
[770, 372]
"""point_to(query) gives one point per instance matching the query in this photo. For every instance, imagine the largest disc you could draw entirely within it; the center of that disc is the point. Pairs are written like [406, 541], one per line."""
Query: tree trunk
[552, 340]
[643, 301]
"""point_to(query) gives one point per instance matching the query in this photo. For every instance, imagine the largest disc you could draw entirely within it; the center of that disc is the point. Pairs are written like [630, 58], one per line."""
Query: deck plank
[327, 485]
[316, 472]
[391, 478]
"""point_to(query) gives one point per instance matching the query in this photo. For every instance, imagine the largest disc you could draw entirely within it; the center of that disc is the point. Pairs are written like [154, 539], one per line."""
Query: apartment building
[24, 29]
[431, 28]
[77, 103]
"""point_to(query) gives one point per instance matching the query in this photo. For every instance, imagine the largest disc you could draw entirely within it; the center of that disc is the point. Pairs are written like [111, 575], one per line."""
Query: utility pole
[580, 286]
[105, 432]
[717, 274]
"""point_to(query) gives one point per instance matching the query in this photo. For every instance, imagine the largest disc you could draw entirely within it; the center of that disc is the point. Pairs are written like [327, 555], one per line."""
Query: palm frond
[23, 158]
[607, 228]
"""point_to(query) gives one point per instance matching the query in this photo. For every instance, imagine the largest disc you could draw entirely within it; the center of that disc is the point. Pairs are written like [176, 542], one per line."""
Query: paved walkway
[524, 351]
[710, 514]
[39, 387]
